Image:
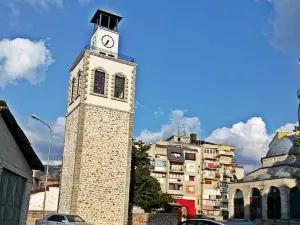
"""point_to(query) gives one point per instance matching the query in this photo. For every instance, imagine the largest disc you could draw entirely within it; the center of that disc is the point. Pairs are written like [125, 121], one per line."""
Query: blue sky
[224, 69]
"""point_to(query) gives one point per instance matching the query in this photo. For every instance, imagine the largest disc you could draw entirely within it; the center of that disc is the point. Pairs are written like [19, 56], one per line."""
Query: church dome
[282, 146]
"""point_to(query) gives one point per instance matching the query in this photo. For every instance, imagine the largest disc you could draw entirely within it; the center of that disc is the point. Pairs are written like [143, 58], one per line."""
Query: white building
[17, 160]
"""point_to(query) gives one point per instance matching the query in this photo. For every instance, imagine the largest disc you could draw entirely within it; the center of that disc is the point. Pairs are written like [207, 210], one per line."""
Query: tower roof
[106, 12]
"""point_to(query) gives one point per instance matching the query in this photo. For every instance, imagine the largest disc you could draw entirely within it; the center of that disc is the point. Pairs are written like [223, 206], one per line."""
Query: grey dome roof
[282, 146]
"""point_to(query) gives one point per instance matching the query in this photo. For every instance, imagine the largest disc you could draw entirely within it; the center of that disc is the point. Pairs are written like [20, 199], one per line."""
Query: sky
[226, 70]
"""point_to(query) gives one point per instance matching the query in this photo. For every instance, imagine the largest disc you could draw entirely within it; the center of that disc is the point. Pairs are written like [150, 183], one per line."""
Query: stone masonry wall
[68, 162]
[103, 193]
[154, 219]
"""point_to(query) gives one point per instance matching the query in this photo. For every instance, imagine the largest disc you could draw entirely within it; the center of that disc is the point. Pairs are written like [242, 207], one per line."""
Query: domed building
[271, 192]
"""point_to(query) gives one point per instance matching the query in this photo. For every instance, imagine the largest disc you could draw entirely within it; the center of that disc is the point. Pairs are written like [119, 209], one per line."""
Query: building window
[177, 187]
[207, 182]
[72, 89]
[190, 189]
[191, 178]
[99, 82]
[175, 176]
[119, 87]
[78, 82]
[190, 156]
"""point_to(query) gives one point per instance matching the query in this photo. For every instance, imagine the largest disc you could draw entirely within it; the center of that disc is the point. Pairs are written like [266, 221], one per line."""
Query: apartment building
[176, 167]
[196, 173]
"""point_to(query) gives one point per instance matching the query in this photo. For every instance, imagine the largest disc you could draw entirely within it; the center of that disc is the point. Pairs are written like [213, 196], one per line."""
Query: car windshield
[73, 218]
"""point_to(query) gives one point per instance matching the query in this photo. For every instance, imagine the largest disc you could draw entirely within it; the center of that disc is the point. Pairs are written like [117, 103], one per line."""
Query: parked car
[200, 222]
[61, 219]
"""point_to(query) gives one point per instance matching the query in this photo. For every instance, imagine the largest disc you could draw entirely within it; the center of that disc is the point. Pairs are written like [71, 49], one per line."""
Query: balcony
[171, 180]
[109, 54]
[226, 153]
[225, 200]
[225, 162]
[209, 176]
[175, 192]
[224, 190]
[176, 170]
[175, 189]
[209, 156]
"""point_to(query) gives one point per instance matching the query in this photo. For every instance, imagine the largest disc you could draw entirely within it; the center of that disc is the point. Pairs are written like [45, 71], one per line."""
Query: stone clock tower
[98, 138]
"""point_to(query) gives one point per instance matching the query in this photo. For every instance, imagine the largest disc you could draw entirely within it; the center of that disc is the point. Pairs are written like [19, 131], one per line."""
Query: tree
[145, 189]
[297, 144]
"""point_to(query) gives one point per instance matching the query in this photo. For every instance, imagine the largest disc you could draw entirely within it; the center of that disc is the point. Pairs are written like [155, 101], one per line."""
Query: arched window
[274, 203]
[255, 204]
[238, 205]
[99, 82]
[294, 203]
[78, 82]
[72, 89]
[119, 87]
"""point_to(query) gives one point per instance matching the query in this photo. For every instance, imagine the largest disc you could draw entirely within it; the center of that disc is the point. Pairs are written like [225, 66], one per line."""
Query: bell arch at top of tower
[106, 19]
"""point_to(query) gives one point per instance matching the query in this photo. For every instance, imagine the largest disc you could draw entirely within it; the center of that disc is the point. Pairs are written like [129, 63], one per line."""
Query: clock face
[108, 41]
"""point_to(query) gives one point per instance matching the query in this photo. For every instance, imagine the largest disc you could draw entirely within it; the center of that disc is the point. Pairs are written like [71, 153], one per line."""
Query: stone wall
[153, 219]
[33, 215]
[104, 166]
[67, 175]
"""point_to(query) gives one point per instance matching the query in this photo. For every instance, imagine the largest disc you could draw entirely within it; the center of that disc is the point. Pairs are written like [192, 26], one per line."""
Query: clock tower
[96, 164]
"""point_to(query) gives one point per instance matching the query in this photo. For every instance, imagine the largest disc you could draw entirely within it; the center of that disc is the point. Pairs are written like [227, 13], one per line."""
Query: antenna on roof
[178, 130]
[183, 129]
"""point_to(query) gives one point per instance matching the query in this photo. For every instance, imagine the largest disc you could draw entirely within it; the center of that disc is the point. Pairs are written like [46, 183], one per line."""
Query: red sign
[190, 205]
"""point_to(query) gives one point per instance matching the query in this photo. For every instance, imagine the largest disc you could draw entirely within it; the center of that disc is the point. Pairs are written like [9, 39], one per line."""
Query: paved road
[237, 222]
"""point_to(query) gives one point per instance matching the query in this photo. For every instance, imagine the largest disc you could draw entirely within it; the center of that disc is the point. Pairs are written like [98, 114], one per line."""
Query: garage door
[11, 194]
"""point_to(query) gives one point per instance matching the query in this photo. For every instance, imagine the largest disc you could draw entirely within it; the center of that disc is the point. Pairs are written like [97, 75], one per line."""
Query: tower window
[104, 20]
[78, 82]
[119, 87]
[113, 24]
[99, 82]
[72, 89]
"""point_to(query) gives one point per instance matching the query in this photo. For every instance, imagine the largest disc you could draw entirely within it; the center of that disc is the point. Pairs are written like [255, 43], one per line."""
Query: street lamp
[298, 95]
[48, 160]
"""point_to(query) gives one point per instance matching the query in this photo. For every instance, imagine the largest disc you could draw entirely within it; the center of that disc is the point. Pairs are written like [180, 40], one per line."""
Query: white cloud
[250, 138]
[23, 59]
[39, 137]
[38, 133]
[178, 121]
[285, 24]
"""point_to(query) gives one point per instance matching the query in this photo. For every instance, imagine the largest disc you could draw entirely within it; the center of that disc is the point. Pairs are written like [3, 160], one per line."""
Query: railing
[224, 199]
[177, 170]
[224, 190]
[109, 54]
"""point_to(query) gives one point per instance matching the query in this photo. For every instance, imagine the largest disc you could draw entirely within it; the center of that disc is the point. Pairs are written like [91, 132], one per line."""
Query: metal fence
[109, 54]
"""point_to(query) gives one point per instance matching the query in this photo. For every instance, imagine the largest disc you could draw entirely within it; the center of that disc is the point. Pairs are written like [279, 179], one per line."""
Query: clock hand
[107, 42]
